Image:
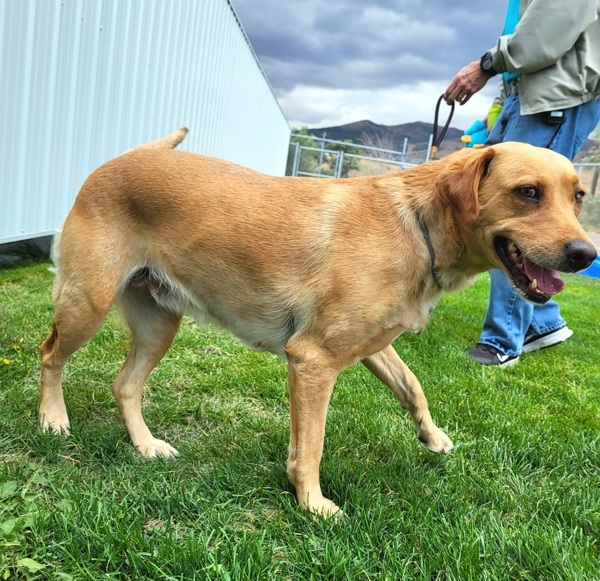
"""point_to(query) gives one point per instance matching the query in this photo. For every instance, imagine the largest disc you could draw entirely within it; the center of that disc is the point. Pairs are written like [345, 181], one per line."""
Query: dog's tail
[167, 142]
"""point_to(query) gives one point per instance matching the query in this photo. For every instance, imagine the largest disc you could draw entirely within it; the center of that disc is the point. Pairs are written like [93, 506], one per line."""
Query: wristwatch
[486, 64]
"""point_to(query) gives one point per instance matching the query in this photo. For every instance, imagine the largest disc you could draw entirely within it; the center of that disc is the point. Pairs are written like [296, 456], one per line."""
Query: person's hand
[466, 83]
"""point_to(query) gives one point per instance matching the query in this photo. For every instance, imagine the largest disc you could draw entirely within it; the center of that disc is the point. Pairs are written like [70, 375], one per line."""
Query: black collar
[425, 231]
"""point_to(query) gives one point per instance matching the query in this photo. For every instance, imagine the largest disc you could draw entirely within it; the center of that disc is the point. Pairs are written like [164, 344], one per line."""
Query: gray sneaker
[488, 355]
[535, 342]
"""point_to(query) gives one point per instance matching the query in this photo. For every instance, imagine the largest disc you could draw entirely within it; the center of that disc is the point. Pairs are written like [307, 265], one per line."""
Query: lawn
[519, 498]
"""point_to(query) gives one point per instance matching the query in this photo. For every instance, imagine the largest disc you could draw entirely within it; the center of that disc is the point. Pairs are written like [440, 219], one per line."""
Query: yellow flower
[6, 361]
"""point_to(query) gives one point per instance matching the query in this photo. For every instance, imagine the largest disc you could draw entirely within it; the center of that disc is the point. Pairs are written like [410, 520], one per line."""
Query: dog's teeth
[512, 246]
[534, 284]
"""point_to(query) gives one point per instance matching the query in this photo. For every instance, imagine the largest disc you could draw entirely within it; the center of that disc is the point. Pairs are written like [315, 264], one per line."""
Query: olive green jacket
[555, 48]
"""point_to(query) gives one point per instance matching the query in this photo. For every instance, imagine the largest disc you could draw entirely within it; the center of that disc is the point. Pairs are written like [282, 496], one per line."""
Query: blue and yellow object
[476, 135]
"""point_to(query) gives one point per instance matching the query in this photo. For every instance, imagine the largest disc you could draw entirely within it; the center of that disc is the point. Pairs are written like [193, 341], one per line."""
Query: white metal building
[84, 80]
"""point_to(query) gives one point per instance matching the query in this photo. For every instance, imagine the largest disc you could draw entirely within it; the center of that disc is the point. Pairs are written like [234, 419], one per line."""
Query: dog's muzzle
[537, 283]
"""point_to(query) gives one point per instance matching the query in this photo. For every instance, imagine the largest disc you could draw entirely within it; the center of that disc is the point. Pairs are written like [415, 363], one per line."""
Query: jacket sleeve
[546, 31]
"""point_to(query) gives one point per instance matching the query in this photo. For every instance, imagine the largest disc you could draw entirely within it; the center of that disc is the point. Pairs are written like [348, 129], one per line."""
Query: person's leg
[565, 138]
[506, 317]
[510, 319]
[579, 123]
[546, 330]
[547, 327]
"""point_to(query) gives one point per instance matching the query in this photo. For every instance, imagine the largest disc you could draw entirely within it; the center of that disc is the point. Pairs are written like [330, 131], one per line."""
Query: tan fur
[324, 273]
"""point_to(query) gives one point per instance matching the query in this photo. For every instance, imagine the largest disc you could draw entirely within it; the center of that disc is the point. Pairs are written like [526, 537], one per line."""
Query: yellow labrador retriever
[324, 273]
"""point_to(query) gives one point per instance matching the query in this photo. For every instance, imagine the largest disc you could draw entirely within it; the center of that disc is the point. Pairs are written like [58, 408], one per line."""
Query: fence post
[338, 171]
[322, 148]
[296, 159]
[429, 145]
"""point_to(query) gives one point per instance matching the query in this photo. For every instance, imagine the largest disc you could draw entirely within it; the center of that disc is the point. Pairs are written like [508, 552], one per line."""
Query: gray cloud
[375, 45]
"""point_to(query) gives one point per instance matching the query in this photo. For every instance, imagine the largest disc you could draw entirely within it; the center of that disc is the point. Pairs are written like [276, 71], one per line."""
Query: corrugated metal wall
[84, 80]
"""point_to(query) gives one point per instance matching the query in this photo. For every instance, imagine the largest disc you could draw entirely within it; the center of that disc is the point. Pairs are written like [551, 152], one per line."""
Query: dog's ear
[458, 184]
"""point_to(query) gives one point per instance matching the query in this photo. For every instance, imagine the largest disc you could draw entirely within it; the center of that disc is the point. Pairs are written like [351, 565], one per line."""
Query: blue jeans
[510, 319]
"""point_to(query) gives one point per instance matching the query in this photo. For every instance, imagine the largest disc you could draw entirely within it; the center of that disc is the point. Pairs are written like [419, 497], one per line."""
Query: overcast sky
[333, 62]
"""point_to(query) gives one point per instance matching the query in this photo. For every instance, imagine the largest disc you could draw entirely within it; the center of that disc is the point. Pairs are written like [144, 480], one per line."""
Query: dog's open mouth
[532, 281]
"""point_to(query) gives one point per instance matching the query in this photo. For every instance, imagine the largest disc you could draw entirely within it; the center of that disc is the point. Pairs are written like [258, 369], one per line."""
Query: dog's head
[517, 206]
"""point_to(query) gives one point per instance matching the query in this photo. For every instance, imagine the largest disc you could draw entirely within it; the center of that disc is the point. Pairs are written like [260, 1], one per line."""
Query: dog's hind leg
[79, 313]
[152, 329]
[387, 366]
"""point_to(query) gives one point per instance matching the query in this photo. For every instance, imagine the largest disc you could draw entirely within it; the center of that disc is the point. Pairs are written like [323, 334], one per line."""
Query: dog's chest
[417, 317]
[412, 318]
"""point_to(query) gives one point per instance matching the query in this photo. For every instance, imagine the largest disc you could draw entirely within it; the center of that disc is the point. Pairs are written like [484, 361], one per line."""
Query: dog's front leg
[311, 378]
[387, 366]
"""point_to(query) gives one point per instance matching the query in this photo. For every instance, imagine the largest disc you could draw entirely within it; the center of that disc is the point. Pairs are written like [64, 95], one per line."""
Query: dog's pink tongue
[548, 280]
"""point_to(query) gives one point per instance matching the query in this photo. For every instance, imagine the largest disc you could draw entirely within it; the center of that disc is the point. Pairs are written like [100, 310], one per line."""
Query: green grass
[519, 498]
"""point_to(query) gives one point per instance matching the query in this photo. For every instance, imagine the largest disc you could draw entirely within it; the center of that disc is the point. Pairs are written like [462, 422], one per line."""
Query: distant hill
[392, 136]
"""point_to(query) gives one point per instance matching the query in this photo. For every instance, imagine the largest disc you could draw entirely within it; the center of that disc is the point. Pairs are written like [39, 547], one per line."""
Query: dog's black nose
[579, 254]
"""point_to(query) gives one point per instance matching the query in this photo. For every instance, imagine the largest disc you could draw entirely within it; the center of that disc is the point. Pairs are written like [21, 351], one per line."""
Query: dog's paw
[155, 448]
[325, 508]
[434, 440]
[55, 424]
[319, 505]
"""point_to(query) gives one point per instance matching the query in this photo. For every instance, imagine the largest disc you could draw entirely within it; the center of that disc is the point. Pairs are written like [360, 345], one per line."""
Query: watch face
[486, 62]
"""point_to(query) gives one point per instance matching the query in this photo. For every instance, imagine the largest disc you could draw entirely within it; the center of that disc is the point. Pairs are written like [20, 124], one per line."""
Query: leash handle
[437, 139]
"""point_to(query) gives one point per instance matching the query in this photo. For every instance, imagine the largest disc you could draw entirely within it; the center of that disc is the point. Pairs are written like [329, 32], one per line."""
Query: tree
[325, 157]
[593, 156]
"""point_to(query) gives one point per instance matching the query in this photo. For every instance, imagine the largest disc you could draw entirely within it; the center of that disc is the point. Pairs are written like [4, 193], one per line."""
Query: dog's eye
[529, 193]
[579, 197]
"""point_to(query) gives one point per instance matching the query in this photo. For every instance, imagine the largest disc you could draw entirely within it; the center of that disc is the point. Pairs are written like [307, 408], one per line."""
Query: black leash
[437, 139]
[547, 146]
[425, 232]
